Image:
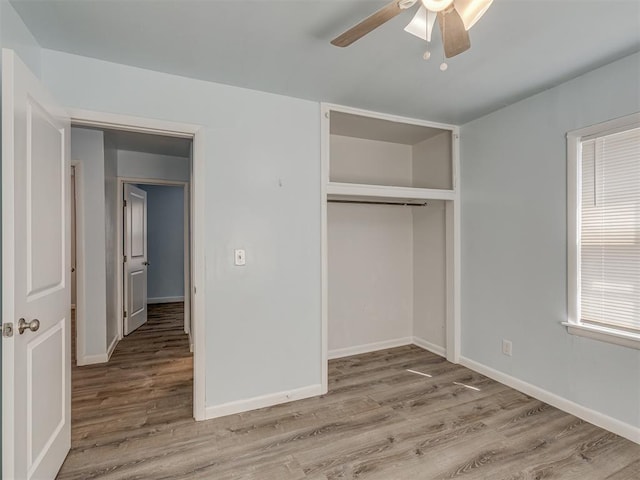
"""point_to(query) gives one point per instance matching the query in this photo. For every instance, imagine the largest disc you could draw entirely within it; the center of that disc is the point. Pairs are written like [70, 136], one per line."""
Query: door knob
[146, 263]
[33, 325]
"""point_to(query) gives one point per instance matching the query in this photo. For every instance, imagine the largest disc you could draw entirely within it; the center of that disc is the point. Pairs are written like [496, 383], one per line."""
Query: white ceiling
[519, 47]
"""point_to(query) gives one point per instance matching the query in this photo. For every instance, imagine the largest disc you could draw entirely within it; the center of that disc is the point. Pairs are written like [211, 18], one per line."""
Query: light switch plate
[239, 257]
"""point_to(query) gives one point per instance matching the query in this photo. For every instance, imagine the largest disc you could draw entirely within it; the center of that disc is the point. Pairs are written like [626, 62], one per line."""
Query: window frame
[573, 323]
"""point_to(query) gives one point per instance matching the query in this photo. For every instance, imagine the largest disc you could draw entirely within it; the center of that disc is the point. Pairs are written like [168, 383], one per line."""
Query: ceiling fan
[455, 18]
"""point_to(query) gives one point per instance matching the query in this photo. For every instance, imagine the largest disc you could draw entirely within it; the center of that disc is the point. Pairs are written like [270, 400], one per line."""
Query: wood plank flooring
[132, 420]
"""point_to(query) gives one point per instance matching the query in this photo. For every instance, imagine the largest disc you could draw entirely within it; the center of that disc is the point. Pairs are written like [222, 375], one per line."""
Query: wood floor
[132, 420]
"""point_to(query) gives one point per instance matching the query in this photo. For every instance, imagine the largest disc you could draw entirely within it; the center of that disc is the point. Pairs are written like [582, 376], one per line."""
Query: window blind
[610, 231]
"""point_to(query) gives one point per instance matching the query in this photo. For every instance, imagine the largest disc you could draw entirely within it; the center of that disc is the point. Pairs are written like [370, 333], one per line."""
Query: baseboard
[112, 347]
[92, 359]
[432, 347]
[164, 300]
[369, 347]
[601, 420]
[215, 411]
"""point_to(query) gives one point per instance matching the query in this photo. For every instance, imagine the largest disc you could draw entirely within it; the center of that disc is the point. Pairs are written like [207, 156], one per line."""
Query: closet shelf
[361, 191]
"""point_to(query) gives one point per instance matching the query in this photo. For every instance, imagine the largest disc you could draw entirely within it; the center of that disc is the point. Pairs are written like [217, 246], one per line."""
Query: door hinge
[125, 259]
[7, 330]
[125, 203]
[125, 314]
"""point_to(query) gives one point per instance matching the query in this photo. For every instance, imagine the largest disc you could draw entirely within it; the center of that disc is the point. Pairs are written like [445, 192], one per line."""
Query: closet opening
[389, 231]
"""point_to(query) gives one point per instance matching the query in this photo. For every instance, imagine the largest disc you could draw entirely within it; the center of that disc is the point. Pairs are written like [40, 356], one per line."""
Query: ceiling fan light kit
[455, 18]
[436, 5]
[472, 10]
[422, 24]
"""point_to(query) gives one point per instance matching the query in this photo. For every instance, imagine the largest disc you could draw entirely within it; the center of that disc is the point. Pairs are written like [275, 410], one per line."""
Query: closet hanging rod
[375, 202]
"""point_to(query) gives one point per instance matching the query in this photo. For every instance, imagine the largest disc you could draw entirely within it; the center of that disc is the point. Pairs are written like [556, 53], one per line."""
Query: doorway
[163, 262]
[191, 320]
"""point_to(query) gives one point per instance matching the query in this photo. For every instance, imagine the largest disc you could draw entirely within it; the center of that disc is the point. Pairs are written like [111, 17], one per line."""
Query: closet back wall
[370, 276]
[358, 160]
[429, 275]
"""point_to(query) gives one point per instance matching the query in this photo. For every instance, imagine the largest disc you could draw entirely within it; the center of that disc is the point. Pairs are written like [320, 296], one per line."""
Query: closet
[389, 227]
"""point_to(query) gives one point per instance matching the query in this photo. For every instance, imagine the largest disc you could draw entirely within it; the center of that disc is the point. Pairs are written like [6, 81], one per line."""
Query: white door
[135, 251]
[36, 363]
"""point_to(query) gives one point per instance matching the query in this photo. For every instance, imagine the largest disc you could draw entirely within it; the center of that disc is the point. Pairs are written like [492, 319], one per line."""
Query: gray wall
[111, 236]
[262, 194]
[165, 242]
[149, 165]
[87, 148]
[514, 242]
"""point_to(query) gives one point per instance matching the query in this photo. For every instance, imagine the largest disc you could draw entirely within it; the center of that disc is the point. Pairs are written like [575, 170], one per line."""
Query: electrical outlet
[507, 347]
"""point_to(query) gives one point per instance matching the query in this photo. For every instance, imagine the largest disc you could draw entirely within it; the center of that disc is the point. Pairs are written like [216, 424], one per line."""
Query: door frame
[104, 120]
[80, 260]
[120, 233]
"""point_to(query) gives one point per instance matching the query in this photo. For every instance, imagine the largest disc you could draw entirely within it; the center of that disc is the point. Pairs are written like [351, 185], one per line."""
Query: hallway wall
[165, 243]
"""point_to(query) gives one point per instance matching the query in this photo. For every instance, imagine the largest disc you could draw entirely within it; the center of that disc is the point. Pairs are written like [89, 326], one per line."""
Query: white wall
[149, 165]
[111, 237]
[432, 165]
[262, 194]
[87, 147]
[514, 242]
[429, 273]
[357, 160]
[370, 274]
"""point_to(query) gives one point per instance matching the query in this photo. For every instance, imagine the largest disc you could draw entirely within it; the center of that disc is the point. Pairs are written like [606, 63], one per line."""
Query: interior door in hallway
[135, 261]
[36, 300]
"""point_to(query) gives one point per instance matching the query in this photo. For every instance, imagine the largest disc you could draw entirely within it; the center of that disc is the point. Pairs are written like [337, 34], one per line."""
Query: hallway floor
[146, 387]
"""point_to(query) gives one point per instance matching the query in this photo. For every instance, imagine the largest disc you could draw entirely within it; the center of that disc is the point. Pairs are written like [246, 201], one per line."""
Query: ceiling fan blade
[370, 23]
[422, 24]
[454, 36]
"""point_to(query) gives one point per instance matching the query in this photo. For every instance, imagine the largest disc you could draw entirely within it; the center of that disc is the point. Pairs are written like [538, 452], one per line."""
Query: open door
[36, 305]
[135, 258]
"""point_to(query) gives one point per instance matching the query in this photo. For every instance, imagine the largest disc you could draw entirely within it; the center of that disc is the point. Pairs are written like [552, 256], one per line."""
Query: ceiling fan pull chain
[427, 54]
[443, 65]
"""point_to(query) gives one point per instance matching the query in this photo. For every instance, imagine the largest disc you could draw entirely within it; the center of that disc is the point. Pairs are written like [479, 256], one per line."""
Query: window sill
[610, 335]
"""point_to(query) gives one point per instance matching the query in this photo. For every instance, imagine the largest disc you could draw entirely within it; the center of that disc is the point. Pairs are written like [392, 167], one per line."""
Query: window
[604, 231]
